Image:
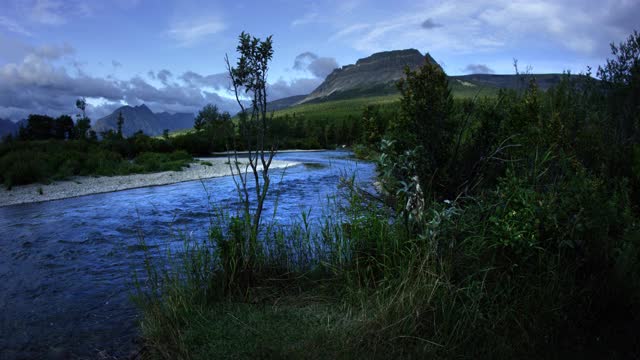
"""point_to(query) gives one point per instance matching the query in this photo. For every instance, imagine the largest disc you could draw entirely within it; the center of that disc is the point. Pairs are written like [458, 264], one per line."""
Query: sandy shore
[86, 185]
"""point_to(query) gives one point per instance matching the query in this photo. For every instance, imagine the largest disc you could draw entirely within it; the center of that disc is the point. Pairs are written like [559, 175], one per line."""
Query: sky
[170, 54]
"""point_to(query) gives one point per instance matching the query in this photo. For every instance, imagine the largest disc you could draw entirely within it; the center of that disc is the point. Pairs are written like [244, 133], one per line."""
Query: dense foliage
[509, 229]
[25, 162]
[540, 193]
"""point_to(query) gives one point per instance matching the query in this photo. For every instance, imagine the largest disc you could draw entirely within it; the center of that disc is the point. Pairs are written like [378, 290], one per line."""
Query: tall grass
[515, 235]
[358, 284]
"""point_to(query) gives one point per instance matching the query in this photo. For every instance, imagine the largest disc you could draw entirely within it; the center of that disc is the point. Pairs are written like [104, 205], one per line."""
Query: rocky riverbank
[203, 168]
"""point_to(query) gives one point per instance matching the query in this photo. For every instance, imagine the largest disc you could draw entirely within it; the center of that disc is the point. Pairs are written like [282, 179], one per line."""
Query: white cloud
[48, 12]
[582, 27]
[13, 26]
[308, 18]
[349, 30]
[40, 83]
[187, 33]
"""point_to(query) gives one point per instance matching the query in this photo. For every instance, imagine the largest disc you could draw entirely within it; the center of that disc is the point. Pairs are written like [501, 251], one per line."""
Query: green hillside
[341, 109]
[344, 108]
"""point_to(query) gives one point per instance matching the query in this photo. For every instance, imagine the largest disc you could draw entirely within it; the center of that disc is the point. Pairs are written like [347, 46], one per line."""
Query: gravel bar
[86, 185]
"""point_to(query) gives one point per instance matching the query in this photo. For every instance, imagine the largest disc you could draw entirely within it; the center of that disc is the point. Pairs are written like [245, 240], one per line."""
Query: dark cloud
[302, 60]
[164, 75]
[218, 81]
[38, 85]
[116, 64]
[281, 89]
[478, 69]
[318, 66]
[430, 24]
[39, 82]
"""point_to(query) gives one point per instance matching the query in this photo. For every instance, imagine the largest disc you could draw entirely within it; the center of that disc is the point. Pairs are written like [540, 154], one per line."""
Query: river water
[66, 266]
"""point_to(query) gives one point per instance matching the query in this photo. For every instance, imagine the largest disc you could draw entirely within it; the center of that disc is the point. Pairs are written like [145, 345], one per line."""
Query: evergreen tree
[120, 123]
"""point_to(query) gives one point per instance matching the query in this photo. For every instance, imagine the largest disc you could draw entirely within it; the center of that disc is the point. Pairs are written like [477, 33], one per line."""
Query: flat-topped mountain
[142, 118]
[373, 75]
[379, 73]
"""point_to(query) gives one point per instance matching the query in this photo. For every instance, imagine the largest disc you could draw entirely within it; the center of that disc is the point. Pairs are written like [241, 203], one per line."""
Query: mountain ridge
[140, 117]
[375, 74]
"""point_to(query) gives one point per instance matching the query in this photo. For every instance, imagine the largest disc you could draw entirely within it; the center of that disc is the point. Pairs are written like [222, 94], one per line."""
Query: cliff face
[373, 75]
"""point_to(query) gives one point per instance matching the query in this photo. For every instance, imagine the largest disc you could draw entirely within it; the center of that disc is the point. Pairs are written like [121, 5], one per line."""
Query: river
[66, 266]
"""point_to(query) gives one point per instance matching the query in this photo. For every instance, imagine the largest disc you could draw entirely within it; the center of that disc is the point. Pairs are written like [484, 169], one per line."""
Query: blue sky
[170, 54]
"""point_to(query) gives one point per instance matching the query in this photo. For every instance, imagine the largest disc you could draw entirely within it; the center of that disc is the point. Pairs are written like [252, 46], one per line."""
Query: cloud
[116, 64]
[164, 75]
[188, 33]
[281, 88]
[40, 84]
[300, 62]
[320, 67]
[308, 18]
[349, 30]
[347, 6]
[218, 81]
[430, 24]
[582, 27]
[52, 52]
[36, 85]
[48, 12]
[13, 26]
[478, 69]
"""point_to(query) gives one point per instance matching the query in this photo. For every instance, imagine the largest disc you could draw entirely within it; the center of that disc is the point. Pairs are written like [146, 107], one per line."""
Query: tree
[64, 127]
[426, 107]
[621, 77]
[372, 124]
[83, 124]
[206, 117]
[81, 104]
[120, 123]
[249, 78]
[39, 127]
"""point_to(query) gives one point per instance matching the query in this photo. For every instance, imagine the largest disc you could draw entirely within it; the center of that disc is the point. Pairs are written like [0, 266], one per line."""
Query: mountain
[7, 127]
[378, 74]
[545, 81]
[373, 75]
[284, 102]
[142, 118]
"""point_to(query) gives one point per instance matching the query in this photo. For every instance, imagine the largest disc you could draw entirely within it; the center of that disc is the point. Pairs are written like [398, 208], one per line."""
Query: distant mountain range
[370, 76]
[378, 74]
[142, 118]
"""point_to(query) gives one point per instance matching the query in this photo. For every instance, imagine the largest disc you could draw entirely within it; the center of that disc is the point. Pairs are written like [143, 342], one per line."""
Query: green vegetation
[25, 162]
[509, 228]
[49, 149]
